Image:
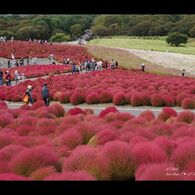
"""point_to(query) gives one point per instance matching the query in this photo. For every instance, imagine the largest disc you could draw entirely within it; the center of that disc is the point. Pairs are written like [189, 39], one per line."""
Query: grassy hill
[146, 44]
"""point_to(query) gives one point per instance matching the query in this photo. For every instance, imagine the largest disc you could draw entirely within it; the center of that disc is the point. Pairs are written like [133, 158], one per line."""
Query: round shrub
[57, 109]
[105, 97]
[148, 115]
[188, 103]
[28, 160]
[86, 158]
[168, 100]
[148, 153]
[102, 137]
[64, 97]
[157, 101]
[16, 98]
[185, 116]
[3, 105]
[184, 154]
[41, 173]
[76, 98]
[169, 111]
[121, 161]
[107, 110]
[12, 177]
[119, 99]
[92, 98]
[71, 138]
[75, 111]
[71, 175]
[136, 99]
[180, 97]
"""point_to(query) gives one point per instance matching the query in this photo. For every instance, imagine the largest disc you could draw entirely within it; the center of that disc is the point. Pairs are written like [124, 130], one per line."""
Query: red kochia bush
[168, 100]
[64, 97]
[184, 154]
[5, 139]
[180, 98]
[148, 115]
[38, 104]
[5, 119]
[88, 111]
[71, 138]
[16, 98]
[75, 111]
[86, 158]
[12, 177]
[107, 110]
[40, 174]
[148, 153]
[121, 161]
[3, 105]
[136, 99]
[105, 97]
[156, 171]
[119, 99]
[24, 130]
[76, 98]
[92, 98]
[87, 130]
[28, 160]
[27, 120]
[188, 103]
[185, 116]
[169, 111]
[56, 109]
[71, 175]
[157, 101]
[163, 116]
[102, 137]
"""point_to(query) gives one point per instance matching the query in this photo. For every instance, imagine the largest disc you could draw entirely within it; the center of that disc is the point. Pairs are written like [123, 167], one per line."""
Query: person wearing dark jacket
[1, 77]
[45, 94]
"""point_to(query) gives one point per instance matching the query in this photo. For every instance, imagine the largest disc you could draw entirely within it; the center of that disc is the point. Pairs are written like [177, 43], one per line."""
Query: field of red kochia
[119, 87]
[27, 49]
[50, 143]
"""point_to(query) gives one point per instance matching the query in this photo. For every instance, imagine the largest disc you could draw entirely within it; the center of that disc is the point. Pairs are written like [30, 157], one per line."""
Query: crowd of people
[91, 65]
[8, 78]
[42, 42]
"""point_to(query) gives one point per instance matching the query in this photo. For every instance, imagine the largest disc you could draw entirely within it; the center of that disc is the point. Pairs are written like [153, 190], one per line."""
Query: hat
[16, 71]
[29, 87]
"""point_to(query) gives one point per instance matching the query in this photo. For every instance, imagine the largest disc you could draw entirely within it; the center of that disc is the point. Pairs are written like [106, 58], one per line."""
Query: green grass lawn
[156, 44]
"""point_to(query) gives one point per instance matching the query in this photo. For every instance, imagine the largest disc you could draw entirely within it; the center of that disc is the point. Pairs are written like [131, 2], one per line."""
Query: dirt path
[167, 59]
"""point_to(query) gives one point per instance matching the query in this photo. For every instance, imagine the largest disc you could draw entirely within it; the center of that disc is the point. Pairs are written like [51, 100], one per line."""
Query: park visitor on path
[45, 94]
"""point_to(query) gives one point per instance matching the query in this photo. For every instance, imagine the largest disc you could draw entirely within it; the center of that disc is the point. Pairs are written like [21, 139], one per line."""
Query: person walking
[28, 96]
[143, 67]
[45, 94]
[8, 78]
[16, 77]
[1, 78]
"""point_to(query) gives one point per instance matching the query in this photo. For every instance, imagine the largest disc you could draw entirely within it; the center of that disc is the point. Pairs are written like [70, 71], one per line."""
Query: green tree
[192, 32]
[60, 37]
[76, 30]
[100, 30]
[176, 38]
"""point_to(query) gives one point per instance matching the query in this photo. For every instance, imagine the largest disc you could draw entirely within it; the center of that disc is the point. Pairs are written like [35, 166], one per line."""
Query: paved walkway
[99, 107]
[42, 61]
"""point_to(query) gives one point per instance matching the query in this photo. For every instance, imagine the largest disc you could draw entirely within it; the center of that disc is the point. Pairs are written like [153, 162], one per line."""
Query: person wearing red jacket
[8, 78]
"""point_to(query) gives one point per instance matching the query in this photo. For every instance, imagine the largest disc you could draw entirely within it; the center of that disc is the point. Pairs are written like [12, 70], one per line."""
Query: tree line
[69, 27]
